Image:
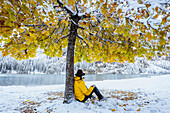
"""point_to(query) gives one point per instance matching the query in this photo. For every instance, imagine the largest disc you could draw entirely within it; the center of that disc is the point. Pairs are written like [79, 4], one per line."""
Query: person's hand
[93, 85]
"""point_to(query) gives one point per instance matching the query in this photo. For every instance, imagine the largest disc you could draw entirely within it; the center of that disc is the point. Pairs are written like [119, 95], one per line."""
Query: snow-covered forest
[43, 64]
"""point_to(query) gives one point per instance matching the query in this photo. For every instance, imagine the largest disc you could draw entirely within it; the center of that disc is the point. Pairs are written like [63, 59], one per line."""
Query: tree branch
[81, 38]
[19, 10]
[35, 25]
[149, 23]
[84, 15]
[28, 25]
[77, 24]
[62, 38]
[5, 26]
[53, 31]
[49, 35]
[81, 27]
[77, 7]
[133, 20]
[129, 20]
[64, 7]
[106, 40]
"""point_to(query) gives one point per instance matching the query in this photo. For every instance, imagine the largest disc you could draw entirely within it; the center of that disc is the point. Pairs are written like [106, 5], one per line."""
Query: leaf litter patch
[30, 106]
[116, 100]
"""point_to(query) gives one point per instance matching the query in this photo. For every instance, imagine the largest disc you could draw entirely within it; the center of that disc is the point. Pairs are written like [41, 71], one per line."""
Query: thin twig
[62, 38]
[19, 10]
[106, 40]
[81, 27]
[6, 26]
[77, 7]
[149, 23]
[28, 26]
[35, 25]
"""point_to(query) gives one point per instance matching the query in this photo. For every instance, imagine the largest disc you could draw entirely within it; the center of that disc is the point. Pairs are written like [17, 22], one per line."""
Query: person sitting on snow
[81, 92]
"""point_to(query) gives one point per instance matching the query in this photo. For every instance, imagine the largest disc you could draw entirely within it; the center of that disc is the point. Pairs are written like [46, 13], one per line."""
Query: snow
[152, 96]
[154, 91]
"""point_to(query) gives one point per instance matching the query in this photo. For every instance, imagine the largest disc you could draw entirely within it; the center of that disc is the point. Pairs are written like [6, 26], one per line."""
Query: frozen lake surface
[55, 79]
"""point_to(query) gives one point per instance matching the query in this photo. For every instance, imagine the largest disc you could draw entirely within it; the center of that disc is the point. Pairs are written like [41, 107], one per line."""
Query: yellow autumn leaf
[94, 19]
[125, 32]
[112, 10]
[124, 104]
[85, 1]
[157, 9]
[156, 16]
[147, 5]
[162, 41]
[32, 30]
[138, 17]
[139, 109]
[119, 11]
[32, 35]
[149, 36]
[113, 110]
[164, 20]
[103, 9]
[121, 16]
[125, 109]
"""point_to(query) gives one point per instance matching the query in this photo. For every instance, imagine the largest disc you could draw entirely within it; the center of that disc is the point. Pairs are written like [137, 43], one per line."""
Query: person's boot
[102, 99]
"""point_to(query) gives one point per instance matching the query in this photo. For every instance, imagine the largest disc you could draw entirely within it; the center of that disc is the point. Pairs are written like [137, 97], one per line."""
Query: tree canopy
[108, 29]
[100, 30]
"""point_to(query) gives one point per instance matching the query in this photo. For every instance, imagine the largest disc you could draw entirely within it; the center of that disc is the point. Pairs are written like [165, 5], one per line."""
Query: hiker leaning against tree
[81, 92]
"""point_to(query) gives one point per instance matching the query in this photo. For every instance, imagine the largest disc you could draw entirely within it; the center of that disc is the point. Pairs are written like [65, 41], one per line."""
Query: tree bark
[69, 85]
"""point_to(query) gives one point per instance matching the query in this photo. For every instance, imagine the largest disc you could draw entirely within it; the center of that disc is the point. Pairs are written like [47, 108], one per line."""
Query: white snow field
[143, 95]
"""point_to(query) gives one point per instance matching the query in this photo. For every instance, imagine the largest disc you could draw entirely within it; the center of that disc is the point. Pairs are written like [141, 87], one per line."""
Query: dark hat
[79, 73]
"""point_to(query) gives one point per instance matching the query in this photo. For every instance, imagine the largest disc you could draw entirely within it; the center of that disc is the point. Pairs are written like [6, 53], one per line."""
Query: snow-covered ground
[143, 95]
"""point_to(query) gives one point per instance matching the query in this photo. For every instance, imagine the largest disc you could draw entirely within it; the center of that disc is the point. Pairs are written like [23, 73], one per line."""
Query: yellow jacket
[80, 89]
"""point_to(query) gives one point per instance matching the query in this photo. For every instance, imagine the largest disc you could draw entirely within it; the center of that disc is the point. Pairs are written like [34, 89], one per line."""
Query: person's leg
[97, 92]
[86, 97]
[89, 96]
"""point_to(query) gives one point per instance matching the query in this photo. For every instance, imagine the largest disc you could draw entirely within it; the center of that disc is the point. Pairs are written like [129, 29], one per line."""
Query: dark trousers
[96, 91]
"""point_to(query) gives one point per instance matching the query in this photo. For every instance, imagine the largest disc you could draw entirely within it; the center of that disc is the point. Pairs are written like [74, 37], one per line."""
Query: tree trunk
[69, 85]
